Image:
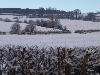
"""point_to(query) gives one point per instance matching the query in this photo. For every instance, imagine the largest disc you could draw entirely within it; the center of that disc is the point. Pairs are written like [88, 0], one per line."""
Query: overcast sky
[84, 5]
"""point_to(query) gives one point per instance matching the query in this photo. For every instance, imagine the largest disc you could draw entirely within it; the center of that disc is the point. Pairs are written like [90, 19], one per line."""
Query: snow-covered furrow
[63, 40]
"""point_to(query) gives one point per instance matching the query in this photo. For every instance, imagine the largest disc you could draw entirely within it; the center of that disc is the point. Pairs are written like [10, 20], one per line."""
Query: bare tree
[30, 29]
[15, 29]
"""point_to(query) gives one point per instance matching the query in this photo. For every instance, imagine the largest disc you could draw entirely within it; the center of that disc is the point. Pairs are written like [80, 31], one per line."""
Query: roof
[97, 15]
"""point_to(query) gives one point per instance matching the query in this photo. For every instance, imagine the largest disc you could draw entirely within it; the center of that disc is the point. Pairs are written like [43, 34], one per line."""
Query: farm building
[97, 17]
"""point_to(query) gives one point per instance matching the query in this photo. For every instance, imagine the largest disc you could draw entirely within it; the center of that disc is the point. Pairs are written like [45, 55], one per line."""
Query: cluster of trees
[76, 14]
[46, 13]
[90, 17]
[31, 27]
[20, 60]
[28, 11]
[52, 23]
[15, 29]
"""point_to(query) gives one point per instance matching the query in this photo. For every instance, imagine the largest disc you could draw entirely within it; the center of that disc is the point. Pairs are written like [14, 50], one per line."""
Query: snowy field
[44, 48]
[6, 26]
[72, 25]
[55, 40]
[62, 40]
[80, 25]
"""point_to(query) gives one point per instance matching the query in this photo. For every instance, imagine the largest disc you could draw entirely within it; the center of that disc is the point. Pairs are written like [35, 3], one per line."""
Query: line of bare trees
[46, 13]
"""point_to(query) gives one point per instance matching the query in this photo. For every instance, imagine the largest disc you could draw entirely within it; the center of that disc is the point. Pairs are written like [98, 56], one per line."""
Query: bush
[2, 33]
[25, 21]
[49, 24]
[15, 18]
[32, 22]
[7, 20]
[1, 19]
[86, 31]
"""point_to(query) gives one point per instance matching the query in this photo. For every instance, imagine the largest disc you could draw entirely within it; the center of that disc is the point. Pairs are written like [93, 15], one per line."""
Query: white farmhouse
[97, 17]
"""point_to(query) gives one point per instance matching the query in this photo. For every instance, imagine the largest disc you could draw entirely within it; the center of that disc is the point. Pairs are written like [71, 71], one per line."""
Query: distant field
[80, 25]
[55, 40]
[71, 25]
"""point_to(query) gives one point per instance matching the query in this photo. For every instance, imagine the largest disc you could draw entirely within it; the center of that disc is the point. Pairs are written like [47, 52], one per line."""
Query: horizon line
[45, 9]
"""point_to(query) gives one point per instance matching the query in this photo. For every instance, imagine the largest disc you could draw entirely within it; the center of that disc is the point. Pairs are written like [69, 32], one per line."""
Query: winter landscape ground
[49, 37]
[49, 54]
[55, 40]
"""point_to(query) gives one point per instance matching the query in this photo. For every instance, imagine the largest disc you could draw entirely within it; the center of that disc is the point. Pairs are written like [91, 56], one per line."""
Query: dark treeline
[28, 11]
[48, 12]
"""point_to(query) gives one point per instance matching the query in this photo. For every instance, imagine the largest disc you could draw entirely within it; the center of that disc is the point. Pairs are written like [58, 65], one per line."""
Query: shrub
[86, 31]
[1, 19]
[7, 20]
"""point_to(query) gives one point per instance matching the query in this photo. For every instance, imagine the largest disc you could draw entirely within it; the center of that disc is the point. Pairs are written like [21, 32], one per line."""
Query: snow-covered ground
[44, 29]
[63, 40]
[34, 19]
[11, 17]
[80, 25]
[6, 26]
[72, 25]
[21, 18]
